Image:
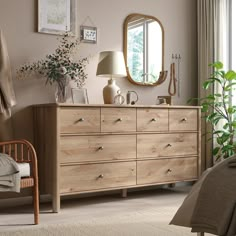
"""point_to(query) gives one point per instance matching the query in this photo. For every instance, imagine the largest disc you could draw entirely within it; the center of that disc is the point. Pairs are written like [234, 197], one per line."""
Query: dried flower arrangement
[59, 66]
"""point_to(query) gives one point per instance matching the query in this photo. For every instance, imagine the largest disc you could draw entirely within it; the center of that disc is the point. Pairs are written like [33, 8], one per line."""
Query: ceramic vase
[110, 91]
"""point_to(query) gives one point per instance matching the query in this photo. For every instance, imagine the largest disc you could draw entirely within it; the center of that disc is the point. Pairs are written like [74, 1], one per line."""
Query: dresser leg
[124, 192]
[171, 185]
[55, 204]
[200, 234]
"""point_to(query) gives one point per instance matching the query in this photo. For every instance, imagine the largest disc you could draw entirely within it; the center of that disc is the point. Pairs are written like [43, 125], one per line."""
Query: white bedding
[24, 169]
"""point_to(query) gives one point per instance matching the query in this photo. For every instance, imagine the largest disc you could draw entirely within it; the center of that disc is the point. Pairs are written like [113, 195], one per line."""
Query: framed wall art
[57, 16]
[79, 95]
[88, 34]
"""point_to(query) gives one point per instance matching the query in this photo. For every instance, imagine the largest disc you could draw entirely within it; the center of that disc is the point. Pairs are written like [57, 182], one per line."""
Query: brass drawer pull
[119, 119]
[153, 119]
[184, 119]
[100, 176]
[101, 148]
[79, 120]
[169, 171]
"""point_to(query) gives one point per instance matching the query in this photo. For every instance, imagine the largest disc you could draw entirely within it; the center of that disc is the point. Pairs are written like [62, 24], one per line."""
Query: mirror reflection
[143, 49]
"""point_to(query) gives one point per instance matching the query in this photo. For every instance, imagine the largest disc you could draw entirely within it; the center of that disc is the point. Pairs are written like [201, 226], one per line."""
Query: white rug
[141, 214]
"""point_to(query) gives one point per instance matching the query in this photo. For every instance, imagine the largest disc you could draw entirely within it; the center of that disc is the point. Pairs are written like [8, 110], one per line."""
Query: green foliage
[135, 55]
[218, 107]
[59, 66]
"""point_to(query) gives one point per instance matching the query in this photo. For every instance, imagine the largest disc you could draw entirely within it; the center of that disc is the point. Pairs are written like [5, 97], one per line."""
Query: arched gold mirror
[144, 49]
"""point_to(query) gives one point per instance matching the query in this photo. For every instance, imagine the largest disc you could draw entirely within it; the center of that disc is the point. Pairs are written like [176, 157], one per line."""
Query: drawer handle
[169, 171]
[101, 148]
[169, 145]
[153, 119]
[184, 119]
[119, 119]
[100, 176]
[80, 120]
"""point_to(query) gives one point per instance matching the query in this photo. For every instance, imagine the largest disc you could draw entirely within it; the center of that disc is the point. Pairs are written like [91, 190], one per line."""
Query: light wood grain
[118, 119]
[166, 170]
[97, 148]
[115, 106]
[152, 119]
[46, 144]
[78, 178]
[183, 119]
[76, 144]
[166, 145]
[81, 120]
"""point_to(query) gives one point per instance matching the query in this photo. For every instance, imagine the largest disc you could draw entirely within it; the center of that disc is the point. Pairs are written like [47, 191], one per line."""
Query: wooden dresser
[88, 148]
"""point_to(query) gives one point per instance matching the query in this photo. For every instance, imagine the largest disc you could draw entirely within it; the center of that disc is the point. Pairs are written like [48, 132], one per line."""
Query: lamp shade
[111, 64]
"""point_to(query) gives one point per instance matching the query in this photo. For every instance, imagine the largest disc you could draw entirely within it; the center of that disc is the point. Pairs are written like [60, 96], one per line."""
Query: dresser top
[114, 105]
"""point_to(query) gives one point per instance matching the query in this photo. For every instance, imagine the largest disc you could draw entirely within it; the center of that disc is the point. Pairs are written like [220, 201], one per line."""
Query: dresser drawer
[164, 145]
[152, 119]
[183, 119]
[166, 170]
[97, 148]
[90, 177]
[118, 119]
[79, 120]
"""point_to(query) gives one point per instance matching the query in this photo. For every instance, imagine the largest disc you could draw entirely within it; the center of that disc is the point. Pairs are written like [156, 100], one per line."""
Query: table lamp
[111, 64]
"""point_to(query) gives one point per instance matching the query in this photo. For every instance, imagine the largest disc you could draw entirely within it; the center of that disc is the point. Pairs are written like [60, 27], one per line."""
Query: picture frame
[57, 16]
[79, 95]
[88, 34]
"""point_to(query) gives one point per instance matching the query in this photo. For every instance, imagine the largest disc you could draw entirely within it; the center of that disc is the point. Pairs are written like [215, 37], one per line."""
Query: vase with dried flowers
[59, 67]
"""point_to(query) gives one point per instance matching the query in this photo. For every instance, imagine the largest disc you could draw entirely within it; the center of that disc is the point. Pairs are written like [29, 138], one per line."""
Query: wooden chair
[23, 151]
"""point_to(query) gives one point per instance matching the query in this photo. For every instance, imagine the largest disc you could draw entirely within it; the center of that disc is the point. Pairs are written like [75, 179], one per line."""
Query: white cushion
[24, 169]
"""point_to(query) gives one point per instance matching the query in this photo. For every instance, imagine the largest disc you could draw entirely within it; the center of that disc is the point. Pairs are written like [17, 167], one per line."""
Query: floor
[165, 200]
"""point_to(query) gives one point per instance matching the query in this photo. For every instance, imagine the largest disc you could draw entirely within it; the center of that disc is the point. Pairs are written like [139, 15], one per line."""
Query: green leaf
[192, 100]
[230, 75]
[222, 139]
[211, 97]
[207, 84]
[218, 95]
[229, 87]
[211, 116]
[234, 124]
[216, 121]
[216, 150]
[231, 110]
[226, 126]
[218, 65]
[215, 79]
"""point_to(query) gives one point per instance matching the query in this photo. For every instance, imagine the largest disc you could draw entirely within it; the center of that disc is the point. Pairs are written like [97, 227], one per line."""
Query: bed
[211, 204]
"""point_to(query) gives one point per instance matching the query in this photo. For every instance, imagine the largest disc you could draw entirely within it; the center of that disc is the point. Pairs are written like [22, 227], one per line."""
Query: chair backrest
[20, 150]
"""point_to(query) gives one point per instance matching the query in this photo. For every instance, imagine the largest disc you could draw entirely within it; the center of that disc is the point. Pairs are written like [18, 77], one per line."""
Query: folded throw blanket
[232, 162]
[9, 174]
[211, 205]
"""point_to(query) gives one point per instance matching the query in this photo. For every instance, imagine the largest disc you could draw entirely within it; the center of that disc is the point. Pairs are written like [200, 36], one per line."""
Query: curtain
[212, 46]
[7, 94]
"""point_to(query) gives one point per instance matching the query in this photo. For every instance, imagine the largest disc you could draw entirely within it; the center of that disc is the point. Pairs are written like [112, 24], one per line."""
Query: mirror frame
[125, 35]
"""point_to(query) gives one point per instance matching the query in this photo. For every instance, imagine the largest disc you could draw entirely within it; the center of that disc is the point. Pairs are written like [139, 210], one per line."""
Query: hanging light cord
[172, 80]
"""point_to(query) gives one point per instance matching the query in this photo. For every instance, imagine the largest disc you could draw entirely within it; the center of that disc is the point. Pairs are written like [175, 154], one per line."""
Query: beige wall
[18, 20]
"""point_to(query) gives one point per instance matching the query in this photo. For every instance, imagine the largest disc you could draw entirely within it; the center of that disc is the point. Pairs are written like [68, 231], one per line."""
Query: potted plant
[219, 110]
[59, 67]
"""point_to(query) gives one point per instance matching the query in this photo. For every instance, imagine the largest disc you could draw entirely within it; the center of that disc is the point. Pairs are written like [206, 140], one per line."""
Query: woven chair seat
[27, 182]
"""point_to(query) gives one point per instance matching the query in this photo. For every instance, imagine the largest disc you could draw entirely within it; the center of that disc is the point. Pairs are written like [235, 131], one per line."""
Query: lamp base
[110, 91]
